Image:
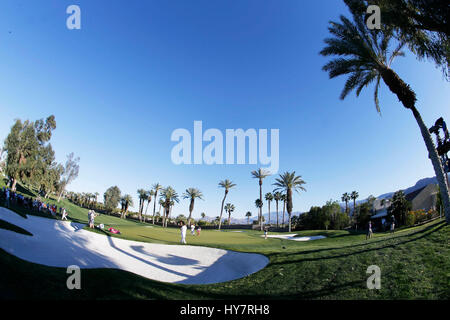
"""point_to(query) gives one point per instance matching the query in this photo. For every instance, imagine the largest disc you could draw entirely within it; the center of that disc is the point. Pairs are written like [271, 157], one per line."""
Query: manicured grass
[414, 264]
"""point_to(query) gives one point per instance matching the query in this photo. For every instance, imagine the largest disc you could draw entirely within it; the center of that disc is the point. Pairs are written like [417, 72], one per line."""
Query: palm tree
[277, 197]
[229, 208]
[259, 204]
[248, 215]
[354, 195]
[203, 215]
[161, 203]
[269, 198]
[150, 194]
[169, 197]
[283, 198]
[227, 185]
[192, 194]
[346, 198]
[156, 187]
[369, 59]
[126, 201]
[260, 174]
[288, 181]
[142, 198]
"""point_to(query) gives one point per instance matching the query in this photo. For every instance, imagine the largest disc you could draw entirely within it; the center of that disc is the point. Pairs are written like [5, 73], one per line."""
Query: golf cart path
[62, 243]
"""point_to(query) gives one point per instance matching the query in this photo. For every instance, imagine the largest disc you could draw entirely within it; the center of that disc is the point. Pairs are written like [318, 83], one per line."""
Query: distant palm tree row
[346, 197]
[284, 185]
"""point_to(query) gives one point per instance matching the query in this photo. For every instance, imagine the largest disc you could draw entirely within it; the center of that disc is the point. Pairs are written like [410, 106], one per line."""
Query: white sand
[293, 237]
[61, 244]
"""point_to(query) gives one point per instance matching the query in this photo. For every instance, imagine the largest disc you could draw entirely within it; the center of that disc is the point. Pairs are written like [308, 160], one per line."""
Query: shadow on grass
[367, 243]
[423, 233]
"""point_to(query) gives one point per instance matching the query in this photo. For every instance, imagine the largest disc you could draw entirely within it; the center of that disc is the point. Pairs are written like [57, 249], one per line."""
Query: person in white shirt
[183, 232]
[193, 229]
[64, 214]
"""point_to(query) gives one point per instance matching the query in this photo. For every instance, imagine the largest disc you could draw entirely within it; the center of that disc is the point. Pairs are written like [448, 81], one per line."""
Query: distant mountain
[419, 185]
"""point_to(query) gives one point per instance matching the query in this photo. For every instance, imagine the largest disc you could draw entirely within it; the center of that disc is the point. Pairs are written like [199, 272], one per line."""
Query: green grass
[414, 262]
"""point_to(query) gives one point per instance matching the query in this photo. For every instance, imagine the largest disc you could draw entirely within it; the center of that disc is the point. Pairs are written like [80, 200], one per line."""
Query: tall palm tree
[229, 208]
[203, 215]
[346, 198]
[192, 194]
[269, 198]
[150, 195]
[283, 198]
[354, 195]
[259, 204]
[227, 185]
[260, 174]
[156, 187]
[142, 198]
[288, 181]
[127, 201]
[161, 204]
[248, 215]
[368, 59]
[170, 196]
[277, 197]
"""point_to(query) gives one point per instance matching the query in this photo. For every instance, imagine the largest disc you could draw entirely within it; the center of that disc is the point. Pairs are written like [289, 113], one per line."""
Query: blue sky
[137, 70]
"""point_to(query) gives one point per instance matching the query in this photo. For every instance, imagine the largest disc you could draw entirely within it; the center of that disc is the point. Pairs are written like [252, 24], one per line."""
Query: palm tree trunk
[13, 187]
[154, 207]
[191, 208]
[221, 210]
[408, 98]
[277, 212]
[284, 209]
[437, 164]
[260, 209]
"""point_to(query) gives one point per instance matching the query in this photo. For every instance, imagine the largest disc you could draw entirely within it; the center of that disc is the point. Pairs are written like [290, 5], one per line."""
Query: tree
[203, 215]
[111, 198]
[248, 215]
[143, 196]
[150, 194]
[369, 59]
[283, 198]
[269, 198]
[277, 197]
[259, 204]
[69, 173]
[229, 208]
[156, 188]
[126, 201]
[227, 185]
[422, 24]
[288, 181]
[260, 174]
[346, 198]
[399, 207]
[29, 157]
[192, 194]
[169, 197]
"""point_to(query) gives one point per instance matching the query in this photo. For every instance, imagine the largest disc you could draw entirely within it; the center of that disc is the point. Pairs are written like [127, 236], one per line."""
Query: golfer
[64, 214]
[369, 231]
[183, 232]
[392, 223]
[193, 229]
[91, 216]
[198, 230]
[265, 233]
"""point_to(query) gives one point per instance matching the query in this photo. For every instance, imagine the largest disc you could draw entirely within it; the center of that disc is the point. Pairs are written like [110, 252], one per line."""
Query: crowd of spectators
[10, 197]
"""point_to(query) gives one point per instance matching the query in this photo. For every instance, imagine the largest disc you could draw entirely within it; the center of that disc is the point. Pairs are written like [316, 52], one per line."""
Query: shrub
[410, 218]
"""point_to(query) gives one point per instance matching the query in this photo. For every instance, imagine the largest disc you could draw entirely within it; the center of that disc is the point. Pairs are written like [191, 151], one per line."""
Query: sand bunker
[61, 244]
